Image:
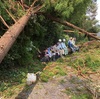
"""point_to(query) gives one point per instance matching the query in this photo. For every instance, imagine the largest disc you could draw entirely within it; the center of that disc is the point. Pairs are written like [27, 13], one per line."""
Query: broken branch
[3, 21]
[11, 15]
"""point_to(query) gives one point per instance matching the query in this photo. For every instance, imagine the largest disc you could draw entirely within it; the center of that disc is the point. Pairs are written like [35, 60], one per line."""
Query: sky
[98, 11]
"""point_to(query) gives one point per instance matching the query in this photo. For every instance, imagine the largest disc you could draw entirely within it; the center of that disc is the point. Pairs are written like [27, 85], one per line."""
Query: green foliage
[44, 30]
[3, 13]
[92, 61]
[18, 55]
[88, 21]
[14, 9]
[60, 71]
[57, 71]
[66, 8]
[82, 96]
[46, 75]
[77, 14]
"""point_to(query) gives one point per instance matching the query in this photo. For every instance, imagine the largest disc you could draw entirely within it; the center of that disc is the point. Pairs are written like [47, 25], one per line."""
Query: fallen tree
[67, 24]
[7, 40]
[73, 26]
[70, 31]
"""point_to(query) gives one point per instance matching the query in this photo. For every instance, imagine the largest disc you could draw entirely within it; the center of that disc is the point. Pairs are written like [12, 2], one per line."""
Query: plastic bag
[31, 78]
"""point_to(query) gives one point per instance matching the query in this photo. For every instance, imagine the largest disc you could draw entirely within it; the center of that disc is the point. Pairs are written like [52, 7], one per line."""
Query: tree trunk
[70, 31]
[7, 40]
[68, 24]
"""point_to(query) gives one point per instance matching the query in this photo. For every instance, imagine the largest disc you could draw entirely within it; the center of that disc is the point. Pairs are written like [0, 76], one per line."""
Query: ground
[59, 87]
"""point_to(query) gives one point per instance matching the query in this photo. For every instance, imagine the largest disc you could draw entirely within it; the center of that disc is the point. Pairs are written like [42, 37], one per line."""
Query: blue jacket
[70, 45]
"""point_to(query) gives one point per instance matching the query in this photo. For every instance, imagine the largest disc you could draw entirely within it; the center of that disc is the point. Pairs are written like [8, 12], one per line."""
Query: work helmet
[64, 40]
[59, 40]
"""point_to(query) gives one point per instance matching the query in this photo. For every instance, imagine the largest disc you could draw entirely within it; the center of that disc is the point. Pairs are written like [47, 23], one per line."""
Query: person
[46, 56]
[49, 53]
[64, 47]
[73, 41]
[70, 45]
[60, 48]
[53, 53]
[57, 54]
[76, 48]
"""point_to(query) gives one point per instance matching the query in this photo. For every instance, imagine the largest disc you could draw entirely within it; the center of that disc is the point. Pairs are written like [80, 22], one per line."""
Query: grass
[78, 94]
[53, 70]
[62, 81]
[89, 59]
[82, 96]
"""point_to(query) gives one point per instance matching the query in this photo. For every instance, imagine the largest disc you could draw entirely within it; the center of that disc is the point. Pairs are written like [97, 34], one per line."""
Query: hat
[64, 40]
[59, 40]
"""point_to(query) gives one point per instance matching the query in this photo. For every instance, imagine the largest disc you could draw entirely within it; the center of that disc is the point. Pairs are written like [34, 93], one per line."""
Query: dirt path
[50, 90]
[55, 88]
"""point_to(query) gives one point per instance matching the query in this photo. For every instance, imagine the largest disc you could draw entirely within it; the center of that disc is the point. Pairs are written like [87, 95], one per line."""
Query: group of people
[59, 50]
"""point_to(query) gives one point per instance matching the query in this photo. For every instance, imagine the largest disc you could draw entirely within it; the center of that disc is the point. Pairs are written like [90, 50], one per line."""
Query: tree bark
[70, 31]
[7, 40]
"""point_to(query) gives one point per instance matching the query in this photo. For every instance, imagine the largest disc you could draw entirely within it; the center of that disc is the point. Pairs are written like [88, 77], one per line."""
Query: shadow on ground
[24, 94]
